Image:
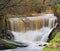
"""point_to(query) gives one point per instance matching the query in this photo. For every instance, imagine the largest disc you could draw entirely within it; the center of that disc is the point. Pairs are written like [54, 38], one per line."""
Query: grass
[54, 44]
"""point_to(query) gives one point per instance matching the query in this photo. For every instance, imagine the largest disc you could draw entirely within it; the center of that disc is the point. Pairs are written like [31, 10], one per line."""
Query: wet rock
[6, 34]
[9, 35]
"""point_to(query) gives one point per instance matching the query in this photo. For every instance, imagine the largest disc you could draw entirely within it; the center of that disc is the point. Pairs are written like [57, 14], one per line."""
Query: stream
[32, 30]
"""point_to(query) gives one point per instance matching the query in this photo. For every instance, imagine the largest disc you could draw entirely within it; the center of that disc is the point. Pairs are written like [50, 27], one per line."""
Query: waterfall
[32, 29]
[30, 23]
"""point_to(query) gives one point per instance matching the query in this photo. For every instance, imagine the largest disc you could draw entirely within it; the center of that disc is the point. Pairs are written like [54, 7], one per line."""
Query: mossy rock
[54, 44]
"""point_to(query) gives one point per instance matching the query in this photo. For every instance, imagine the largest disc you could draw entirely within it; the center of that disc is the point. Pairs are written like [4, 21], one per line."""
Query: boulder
[6, 34]
[9, 35]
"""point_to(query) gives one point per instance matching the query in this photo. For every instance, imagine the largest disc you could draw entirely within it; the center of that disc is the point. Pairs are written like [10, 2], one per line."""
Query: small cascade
[30, 23]
[32, 29]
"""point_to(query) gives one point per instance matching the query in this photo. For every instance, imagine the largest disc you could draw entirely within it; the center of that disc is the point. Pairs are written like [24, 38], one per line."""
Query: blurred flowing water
[32, 30]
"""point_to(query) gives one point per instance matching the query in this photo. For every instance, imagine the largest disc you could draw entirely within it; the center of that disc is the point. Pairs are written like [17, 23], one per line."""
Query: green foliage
[54, 44]
[8, 44]
[58, 6]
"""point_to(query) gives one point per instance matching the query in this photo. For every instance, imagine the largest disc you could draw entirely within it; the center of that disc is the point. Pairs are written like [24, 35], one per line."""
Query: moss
[54, 44]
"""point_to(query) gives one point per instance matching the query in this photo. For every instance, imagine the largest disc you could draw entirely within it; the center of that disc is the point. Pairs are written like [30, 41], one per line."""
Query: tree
[5, 5]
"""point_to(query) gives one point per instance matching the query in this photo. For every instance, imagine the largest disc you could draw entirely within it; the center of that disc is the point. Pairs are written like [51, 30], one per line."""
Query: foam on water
[31, 36]
[35, 37]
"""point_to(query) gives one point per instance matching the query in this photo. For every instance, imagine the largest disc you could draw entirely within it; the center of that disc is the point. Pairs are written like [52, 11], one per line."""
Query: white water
[33, 46]
[31, 36]
[36, 37]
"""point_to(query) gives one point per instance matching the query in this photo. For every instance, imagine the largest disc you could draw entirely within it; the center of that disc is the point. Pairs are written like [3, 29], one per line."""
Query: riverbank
[54, 44]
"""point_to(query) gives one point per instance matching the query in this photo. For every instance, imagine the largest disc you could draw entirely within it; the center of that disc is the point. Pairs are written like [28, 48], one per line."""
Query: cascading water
[32, 30]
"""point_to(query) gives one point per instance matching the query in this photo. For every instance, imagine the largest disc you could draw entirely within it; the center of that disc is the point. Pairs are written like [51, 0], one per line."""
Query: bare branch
[4, 5]
[14, 4]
